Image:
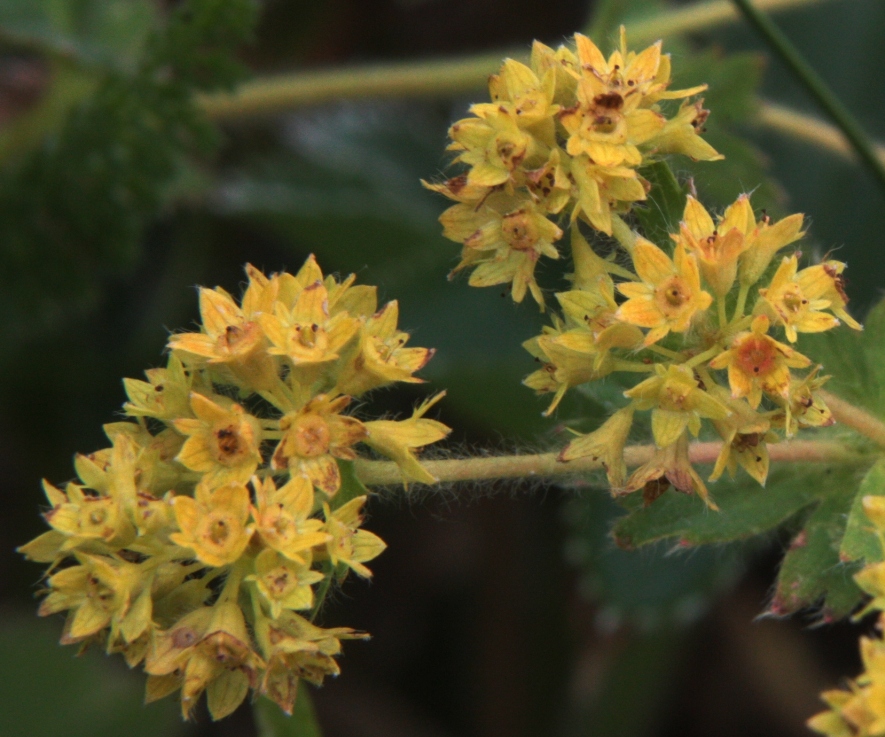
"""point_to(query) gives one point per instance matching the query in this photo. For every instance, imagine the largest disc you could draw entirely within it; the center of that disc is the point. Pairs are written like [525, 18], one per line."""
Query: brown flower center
[672, 295]
[757, 356]
[310, 436]
[519, 231]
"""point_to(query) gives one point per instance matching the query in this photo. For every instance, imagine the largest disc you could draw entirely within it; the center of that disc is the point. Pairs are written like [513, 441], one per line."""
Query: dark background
[497, 610]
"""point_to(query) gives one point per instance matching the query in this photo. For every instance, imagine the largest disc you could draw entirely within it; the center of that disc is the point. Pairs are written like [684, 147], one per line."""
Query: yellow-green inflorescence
[561, 141]
[201, 542]
[860, 710]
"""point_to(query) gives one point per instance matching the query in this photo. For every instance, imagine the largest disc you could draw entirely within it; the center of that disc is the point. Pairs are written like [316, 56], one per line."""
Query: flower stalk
[547, 465]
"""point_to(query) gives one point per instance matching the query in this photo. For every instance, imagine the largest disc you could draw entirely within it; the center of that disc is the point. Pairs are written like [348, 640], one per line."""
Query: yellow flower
[223, 444]
[295, 649]
[399, 439]
[601, 189]
[679, 135]
[282, 517]
[605, 445]
[798, 309]
[309, 335]
[677, 403]
[350, 545]
[668, 465]
[313, 437]
[570, 358]
[283, 583]
[765, 241]
[519, 89]
[758, 363]
[381, 356]
[504, 239]
[211, 649]
[493, 144]
[549, 185]
[859, 712]
[164, 395]
[717, 247]
[826, 281]
[744, 434]
[213, 523]
[232, 336]
[100, 592]
[97, 523]
[804, 407]
[669, 295]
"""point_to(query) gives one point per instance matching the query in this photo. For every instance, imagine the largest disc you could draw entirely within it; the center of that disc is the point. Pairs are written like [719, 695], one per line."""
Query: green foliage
[271, 721]
[72, 208]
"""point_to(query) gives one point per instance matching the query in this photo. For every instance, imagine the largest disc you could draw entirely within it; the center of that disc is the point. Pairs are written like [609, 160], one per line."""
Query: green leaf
[660, 214]
[271, 721]
[860, 541]
[812, 572]
[351, 486]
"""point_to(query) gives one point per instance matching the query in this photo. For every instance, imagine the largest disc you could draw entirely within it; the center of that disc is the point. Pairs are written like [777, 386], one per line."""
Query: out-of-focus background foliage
[492, 613]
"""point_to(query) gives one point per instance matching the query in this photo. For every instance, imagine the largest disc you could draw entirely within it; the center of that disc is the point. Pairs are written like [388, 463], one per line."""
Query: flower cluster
[193, 542]
[860, 711]
[561, 138]
[698, 322]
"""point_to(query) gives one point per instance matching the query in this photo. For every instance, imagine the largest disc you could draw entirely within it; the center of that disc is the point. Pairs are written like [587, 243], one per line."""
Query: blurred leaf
[72, 210]
[46, 690]
[661, 213]
[272, 721]
[102, 32]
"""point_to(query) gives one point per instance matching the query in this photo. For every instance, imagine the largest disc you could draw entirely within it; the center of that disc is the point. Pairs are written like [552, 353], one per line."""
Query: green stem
[816, 87]
[660, 350]
[623, 233]
[703, 357]
[634, 366]
[546, 465]
[723, 317]
[231, 589]
[438, 77]
[325, 584]
[741, 303]
[855, 418]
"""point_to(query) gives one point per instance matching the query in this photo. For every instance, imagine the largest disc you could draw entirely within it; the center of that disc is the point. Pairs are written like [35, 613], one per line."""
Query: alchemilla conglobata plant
[202, 542]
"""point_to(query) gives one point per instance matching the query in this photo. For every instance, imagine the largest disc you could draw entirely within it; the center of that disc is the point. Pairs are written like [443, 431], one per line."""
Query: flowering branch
[547, 465]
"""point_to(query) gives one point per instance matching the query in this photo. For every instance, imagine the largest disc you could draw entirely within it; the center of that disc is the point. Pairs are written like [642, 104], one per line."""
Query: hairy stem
[855, 418]
[271, 95]
[546, 465]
